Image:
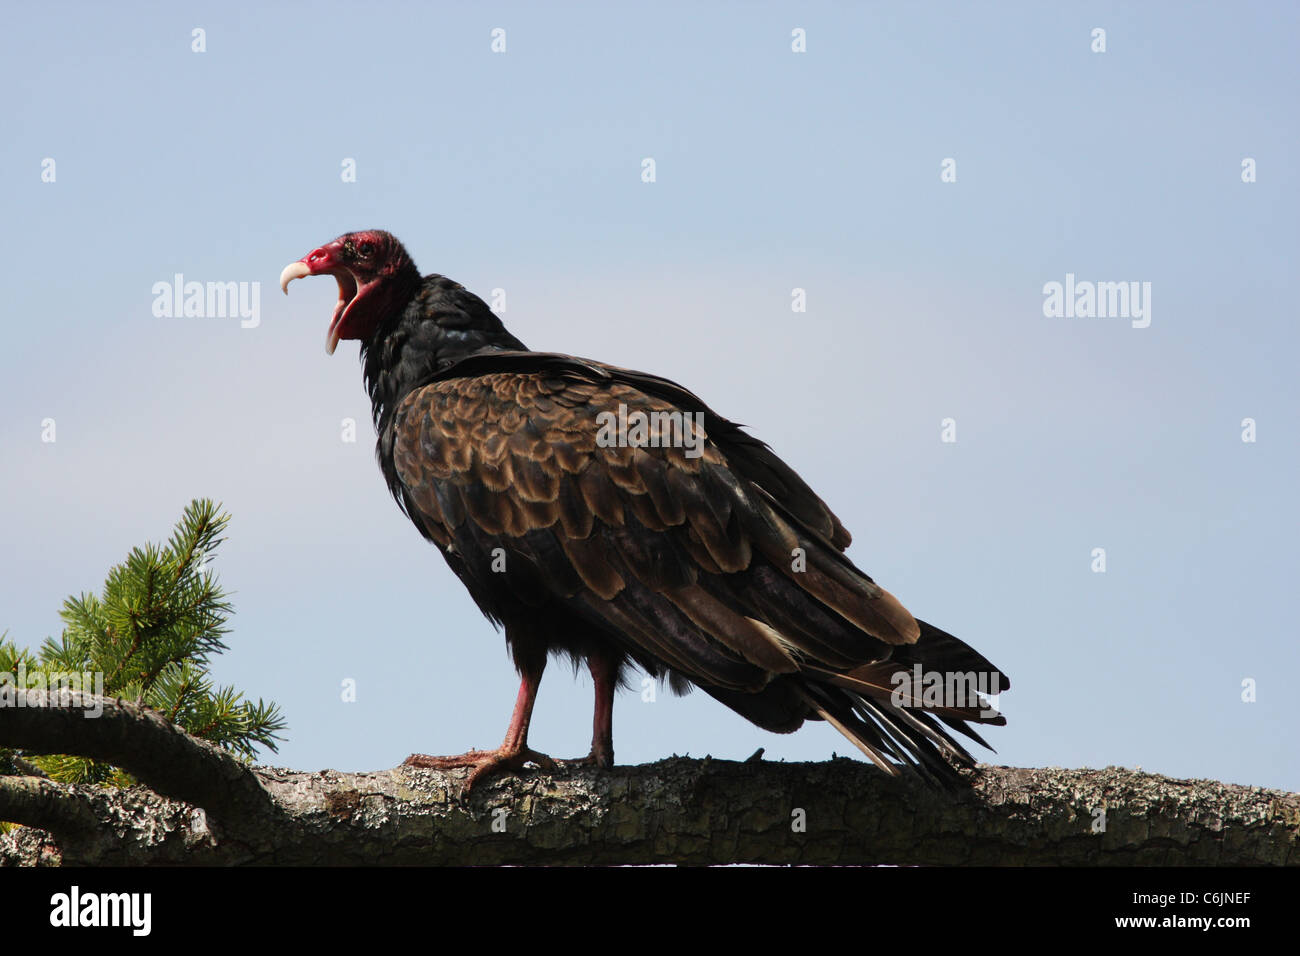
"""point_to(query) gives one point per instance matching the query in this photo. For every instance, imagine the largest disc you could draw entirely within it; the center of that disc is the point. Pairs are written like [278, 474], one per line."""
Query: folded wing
[622, 498]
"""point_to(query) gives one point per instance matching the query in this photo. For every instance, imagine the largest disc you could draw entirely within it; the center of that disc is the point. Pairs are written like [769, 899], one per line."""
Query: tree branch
[705, 811]
[678, 810]
[41, 803]
[140, 741]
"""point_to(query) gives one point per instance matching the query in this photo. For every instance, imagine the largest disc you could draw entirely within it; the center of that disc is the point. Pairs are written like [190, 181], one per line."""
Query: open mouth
[350, 291]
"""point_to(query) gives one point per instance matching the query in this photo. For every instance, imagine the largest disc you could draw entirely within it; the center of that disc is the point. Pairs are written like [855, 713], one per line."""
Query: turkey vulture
[611, 515]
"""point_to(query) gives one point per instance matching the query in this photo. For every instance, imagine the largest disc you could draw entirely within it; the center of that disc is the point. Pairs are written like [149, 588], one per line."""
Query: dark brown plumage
[692, 550]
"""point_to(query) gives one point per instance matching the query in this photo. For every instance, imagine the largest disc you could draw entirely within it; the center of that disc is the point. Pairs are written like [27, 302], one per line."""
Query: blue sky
[775, 170]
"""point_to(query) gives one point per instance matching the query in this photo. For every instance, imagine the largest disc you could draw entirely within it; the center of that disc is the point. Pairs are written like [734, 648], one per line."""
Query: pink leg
[514, 751]
[604, 674]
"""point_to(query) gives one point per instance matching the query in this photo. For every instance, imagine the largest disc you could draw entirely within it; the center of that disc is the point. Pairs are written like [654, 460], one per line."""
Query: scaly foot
[483, 762]
[597, 758]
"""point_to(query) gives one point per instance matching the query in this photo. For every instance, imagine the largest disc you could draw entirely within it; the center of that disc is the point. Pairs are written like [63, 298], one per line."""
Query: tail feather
[938, 650]
[893, 739]
[961, 727]
[876, 681]
[900, 725]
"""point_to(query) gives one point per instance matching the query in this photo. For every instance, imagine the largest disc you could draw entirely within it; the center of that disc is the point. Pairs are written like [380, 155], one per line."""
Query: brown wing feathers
[688, 562]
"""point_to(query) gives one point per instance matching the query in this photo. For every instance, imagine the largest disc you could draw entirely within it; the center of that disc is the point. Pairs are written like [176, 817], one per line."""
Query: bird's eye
[366, 248]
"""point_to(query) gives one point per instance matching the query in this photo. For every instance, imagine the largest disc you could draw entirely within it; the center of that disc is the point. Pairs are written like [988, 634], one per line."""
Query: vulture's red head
[375, 276]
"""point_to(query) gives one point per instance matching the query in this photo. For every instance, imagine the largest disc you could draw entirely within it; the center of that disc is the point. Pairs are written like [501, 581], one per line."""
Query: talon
[542, 760]
[593, 759]
[483, 762]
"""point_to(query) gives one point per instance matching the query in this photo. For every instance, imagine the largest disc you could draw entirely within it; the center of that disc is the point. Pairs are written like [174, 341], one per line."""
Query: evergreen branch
[197, 535]
[159, 617]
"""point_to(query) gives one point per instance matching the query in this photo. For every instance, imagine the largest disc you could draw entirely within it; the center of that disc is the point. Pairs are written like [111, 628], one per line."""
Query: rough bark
[678, 810]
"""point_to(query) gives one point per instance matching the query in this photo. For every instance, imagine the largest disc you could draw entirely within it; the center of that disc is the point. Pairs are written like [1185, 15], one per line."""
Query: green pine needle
[149, 634]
